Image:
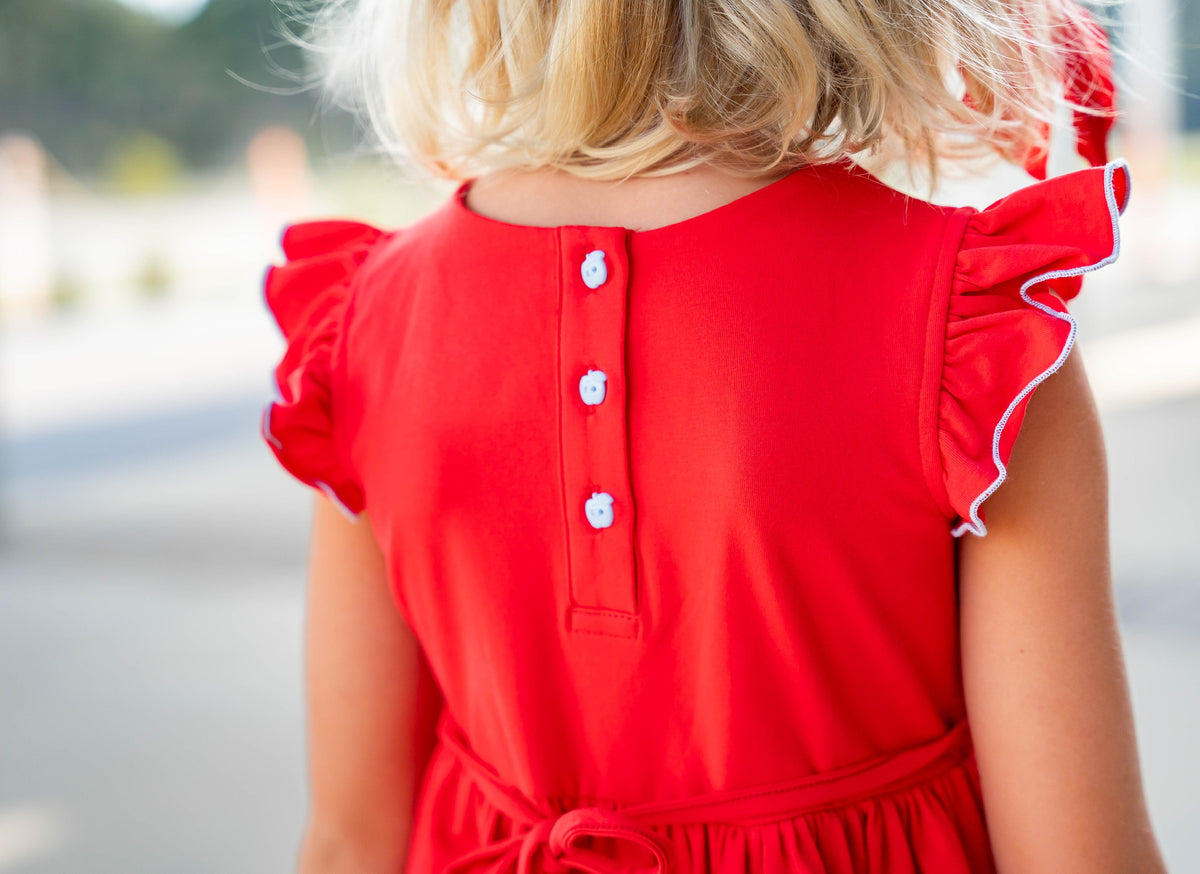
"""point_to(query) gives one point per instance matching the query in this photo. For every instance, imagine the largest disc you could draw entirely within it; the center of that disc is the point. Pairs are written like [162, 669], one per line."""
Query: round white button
[593, 269]
[591, 387]
[599, 509]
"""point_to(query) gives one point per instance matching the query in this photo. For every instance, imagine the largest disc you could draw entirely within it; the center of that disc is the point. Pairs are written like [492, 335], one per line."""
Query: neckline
[725, 211]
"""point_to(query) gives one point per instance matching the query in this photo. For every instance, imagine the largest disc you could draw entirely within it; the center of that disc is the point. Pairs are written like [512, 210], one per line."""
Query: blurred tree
[86, 75]
[142, 164]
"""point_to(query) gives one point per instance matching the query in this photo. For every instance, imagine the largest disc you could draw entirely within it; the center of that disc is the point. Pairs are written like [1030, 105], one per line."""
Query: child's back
[667, 479]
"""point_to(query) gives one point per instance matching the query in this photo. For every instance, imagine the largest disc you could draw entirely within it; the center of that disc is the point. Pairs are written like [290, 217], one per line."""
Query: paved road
[150, 629]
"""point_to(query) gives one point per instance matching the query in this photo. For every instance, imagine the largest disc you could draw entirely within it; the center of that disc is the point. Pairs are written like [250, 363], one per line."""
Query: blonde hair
[608, 89]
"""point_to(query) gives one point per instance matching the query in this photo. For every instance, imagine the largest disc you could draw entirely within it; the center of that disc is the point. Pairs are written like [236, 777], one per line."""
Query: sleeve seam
[339, 377]
[973, 522]
[935, 357]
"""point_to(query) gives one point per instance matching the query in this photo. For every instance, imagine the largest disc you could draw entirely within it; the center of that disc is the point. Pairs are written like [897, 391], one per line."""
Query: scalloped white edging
[974, 524]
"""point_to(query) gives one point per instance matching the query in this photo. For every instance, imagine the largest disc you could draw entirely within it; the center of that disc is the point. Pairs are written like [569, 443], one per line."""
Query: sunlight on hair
[608, 90]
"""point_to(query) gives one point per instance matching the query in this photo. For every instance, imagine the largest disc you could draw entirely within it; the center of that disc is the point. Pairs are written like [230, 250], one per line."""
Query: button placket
[598, 503]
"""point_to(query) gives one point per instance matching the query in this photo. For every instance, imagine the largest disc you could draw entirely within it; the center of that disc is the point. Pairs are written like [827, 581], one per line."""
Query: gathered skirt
[915, 812]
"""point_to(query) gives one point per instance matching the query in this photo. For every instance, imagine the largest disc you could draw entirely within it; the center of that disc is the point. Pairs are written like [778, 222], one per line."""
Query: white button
[591, 387]
[593, 269]
[599, 509]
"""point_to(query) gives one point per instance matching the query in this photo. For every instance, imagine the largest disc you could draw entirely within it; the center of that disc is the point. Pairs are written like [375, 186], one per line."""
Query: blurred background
[152, 554]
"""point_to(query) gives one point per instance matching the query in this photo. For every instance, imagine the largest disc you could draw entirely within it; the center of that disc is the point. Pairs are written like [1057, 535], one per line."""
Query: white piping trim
[335, 500]
[266, 417]
[320, 485]
[974, 524]
[266, 427]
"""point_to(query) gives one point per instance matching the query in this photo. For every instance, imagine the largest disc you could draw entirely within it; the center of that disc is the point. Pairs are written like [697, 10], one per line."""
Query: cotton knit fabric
[808, 395]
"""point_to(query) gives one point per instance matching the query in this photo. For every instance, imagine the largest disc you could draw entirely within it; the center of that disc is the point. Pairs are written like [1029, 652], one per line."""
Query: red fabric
[754, 668]
[1087, 81]
[997, 341]
[307, 296]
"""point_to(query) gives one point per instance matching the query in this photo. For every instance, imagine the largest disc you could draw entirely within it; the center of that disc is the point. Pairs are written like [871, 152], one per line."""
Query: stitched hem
[973, 524]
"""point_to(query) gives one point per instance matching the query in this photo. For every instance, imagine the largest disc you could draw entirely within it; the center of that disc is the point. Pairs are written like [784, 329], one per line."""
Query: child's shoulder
[1076, 209]
[334, 256]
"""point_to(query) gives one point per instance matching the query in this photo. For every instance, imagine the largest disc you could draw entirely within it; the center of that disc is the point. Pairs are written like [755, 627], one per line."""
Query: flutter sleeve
[1087, 82]
[308, 296]
[1008, 326]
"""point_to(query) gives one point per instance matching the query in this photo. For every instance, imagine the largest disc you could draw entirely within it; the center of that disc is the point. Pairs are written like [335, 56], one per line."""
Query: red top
[673, 512]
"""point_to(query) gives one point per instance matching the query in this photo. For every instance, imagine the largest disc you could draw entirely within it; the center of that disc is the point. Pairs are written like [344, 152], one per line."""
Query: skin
[1042, 666]
[1043, 672]
[371, 706]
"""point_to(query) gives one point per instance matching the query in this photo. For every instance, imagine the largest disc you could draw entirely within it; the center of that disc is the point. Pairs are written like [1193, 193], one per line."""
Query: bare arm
[372, 705]
[1042, 664]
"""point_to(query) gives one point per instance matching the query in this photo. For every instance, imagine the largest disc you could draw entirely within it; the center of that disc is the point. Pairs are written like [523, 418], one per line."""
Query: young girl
[653, 463]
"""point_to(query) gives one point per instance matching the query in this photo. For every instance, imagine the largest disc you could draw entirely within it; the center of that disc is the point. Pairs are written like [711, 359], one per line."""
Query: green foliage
[154, 278]
[142, 164]
[67, 292]
[85, 76]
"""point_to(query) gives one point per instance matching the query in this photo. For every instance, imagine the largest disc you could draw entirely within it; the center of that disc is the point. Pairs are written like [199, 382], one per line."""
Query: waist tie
[600, 840]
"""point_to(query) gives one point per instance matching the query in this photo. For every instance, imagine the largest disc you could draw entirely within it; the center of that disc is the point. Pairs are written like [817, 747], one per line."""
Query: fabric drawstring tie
[568, 844]
[598, 840]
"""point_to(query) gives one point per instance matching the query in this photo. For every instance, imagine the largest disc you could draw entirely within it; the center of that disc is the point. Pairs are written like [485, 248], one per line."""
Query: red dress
[673, 512]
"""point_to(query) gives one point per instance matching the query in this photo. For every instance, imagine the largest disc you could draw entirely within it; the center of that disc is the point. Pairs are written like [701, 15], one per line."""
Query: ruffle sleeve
[1088, 82]
[1008, 327]
[308, 296]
